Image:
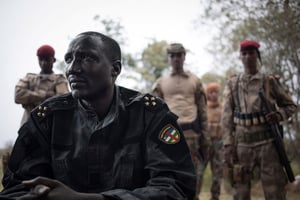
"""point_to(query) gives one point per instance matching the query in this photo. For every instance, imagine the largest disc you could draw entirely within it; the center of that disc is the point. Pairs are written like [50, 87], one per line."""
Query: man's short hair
[113, 48]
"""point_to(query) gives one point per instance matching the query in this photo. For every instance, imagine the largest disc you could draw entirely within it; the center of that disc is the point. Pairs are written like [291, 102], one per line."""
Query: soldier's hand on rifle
[273, 117]
[229, 154]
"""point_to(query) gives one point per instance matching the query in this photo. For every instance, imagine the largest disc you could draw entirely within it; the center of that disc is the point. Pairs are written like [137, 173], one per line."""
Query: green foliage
[114, 29]
[111, 27]
[154, 62]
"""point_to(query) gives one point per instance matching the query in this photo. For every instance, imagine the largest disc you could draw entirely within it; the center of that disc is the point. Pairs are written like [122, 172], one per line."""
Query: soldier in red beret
[250, 45]
[32, 89]
[247, 127]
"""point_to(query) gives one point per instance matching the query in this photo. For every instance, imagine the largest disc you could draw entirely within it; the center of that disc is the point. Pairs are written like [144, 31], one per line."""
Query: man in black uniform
[101, 141]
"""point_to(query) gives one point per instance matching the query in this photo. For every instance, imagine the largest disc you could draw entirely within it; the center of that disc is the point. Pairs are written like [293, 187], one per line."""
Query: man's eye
[68, 59]
[89, 58]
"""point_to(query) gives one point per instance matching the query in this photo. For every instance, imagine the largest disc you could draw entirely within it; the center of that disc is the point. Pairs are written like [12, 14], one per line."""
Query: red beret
[45, 50]
[248, 44]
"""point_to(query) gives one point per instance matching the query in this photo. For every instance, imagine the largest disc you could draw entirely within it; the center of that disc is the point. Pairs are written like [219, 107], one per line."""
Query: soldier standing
[31, 90]
[214, 110]
[247, 137]
[184, 94]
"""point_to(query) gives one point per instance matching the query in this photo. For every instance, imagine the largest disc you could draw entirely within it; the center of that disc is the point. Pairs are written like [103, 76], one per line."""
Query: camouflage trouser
[271, 172]
[216, 160]
[192, 140]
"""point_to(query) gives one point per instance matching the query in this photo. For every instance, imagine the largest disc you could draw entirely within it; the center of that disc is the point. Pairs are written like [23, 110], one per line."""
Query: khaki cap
[175, 48]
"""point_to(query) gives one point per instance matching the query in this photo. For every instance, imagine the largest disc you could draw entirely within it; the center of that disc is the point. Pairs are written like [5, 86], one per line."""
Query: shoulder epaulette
[45, 109]
[149, 101]
[152, 102]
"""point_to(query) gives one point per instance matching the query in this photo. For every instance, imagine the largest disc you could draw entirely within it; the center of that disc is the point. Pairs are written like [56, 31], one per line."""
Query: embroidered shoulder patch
[169, 135]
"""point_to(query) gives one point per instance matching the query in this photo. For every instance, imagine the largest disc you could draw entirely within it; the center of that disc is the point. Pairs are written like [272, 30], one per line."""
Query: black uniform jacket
[136, 152]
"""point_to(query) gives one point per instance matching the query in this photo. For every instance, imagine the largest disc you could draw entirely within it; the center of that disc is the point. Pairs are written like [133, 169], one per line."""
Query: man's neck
[178, 71]
[251, 70]
[46, 73]
[101, 104]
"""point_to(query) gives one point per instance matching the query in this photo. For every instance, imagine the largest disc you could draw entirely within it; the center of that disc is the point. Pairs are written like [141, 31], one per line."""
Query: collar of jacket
[245, 77]
[51, 77]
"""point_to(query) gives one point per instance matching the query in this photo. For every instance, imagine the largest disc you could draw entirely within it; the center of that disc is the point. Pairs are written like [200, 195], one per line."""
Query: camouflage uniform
[252, 138]
[31, 90]
[184, 95]
[214, 110]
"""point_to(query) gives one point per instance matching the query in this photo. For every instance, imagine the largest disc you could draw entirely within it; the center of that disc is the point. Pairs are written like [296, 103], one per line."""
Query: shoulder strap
[237, 91]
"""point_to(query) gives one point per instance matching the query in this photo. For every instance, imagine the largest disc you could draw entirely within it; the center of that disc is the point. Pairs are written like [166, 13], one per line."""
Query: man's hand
[48, 189]
[229, 154]
[273, 117]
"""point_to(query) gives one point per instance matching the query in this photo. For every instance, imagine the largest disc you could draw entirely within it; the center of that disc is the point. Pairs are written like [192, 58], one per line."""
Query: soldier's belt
[248, 119]
[255, 137]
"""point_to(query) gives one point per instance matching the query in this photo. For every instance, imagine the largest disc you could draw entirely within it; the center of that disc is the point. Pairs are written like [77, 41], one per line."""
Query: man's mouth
[76, 82]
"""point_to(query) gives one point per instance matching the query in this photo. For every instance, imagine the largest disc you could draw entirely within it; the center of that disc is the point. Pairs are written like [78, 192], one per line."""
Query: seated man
[101, 141]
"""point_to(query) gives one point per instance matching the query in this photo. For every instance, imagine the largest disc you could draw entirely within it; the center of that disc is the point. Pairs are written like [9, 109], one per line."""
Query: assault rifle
[278, 143]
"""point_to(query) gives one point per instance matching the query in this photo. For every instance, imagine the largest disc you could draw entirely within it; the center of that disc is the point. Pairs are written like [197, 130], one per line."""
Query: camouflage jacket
[241, 96]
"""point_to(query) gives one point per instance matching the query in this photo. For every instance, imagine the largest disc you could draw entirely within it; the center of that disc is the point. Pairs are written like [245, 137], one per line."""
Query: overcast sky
[28, 24]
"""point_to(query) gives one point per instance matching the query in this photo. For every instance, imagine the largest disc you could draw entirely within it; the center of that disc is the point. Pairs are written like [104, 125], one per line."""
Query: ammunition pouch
[248, 119]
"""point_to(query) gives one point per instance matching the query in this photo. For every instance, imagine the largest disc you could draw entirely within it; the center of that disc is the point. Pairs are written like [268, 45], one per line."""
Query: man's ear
[116, 69]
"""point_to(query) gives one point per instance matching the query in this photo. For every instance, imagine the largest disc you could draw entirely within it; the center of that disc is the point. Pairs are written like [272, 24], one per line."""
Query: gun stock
[278, 143]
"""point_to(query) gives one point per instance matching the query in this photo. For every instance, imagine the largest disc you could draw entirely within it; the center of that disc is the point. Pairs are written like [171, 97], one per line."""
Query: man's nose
[43, 62]
[75, 66]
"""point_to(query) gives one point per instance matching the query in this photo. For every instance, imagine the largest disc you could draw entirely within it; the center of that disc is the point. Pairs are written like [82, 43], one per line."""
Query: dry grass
[256, 193]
